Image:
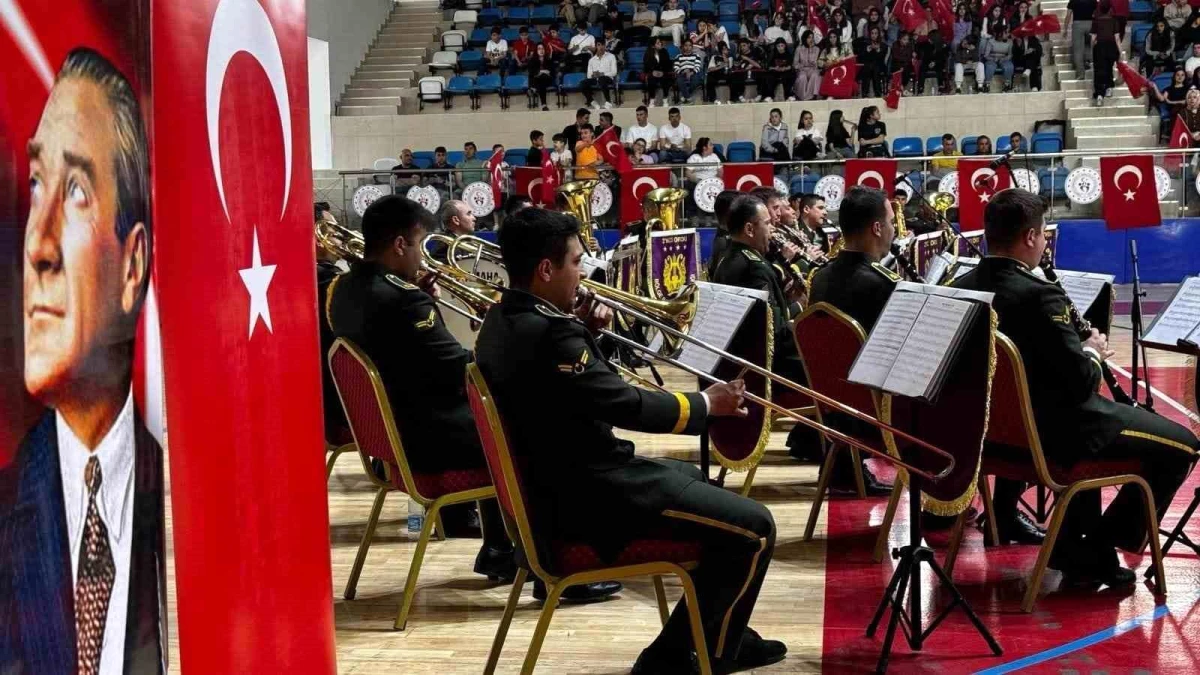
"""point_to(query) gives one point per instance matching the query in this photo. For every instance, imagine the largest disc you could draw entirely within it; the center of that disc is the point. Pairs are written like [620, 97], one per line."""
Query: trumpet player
[383, 306]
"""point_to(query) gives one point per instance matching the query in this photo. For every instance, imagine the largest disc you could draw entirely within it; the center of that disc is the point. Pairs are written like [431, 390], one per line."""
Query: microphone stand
[1135, 317]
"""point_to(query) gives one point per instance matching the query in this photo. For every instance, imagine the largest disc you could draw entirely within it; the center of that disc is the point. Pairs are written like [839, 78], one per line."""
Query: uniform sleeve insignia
[1065, 317]
[751, 255]
[579, 365]
[427, 323]
[400, 283]
[885, 271]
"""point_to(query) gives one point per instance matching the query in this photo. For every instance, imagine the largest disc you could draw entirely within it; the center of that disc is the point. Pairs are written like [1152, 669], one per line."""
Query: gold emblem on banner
[674, 273]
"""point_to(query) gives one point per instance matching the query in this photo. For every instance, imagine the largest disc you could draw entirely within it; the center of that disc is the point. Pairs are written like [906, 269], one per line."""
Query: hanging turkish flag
[1136, 82]
[1181, 137]
[1042, 24]
[550, 181]
[746, 177]
[910, 14]
[237, 307]
[943, 15]
[1129, 192]
[978, 181]
[634, 185]
[839, 77]
[872, 173]
[611, 151]
[895, 89]
[495, 169]
[527, 181]
[815, 19]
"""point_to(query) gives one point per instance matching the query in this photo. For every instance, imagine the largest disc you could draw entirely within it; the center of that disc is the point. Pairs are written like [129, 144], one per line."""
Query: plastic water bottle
[416, 518]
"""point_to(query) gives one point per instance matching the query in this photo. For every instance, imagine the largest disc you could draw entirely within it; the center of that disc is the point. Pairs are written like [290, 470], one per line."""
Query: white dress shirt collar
[115, 452]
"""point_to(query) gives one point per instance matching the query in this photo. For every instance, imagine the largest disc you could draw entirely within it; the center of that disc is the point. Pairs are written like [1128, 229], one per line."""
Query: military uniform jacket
[422, 365]
[743, 266]
[560, 400]
[335, 417]
[1073, 420]
[855, 284]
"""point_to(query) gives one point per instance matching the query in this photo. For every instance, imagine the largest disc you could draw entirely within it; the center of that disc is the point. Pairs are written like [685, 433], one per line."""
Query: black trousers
[778, 153]
[737, 539]
[715, 78]
[776, 79]
[660, 84]
[1104, 58]
[738, 81]
[603, 82]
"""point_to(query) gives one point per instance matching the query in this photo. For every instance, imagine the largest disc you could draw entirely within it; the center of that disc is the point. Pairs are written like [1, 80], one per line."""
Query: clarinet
[909, 268]
[775, 257]
[1084, 328]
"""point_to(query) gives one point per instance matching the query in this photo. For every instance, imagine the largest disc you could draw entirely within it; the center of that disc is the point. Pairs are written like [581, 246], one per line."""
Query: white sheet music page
[1083, 287]
[938, 265]
[875, 360]
[720, 310]
[1180, 318]
[927, 345]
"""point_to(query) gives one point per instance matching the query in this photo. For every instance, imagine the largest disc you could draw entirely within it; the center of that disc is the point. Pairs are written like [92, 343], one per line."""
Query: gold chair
[343, 442]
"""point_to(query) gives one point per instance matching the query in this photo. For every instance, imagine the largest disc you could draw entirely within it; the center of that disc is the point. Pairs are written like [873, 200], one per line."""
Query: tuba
[340, 241]
[941, 202]
[577, 200]
[663, 208]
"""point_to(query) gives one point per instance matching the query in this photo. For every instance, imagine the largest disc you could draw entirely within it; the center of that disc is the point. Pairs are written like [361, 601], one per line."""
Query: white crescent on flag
[534, 183]
[747, 177]
[1128, 168]
[838, 78]
[862, 178]
[608, 148]
[637, 183]
[990, 173]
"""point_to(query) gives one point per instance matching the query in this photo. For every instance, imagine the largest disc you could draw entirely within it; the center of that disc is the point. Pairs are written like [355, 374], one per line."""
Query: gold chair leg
[889, 515]
[660, 593]
[539, 634]
[859, 485]
[721, 476]
[749, 482]
[439, 530]
[414, 567]
[956, 536]
[989, 510]
[361, 557]
[822, 488]
[693, 609]
[510, 608]
[329, 464]
[1160, 576]
[1039, 568]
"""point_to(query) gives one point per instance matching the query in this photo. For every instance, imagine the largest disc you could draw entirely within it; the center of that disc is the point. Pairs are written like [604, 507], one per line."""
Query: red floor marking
[993, 581]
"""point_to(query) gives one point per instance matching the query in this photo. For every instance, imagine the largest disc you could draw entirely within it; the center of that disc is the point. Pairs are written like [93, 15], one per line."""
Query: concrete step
[413, 40]
[408, 27]
[367, 110]
[374, 91]
[1105, 141]
[1087, 110]
[1083, 99]
[420, 52]
[430, 15]
[401, 61]
[1107, 124]
[388, 73]
[367, 84]
[383, 68]
[370, 101]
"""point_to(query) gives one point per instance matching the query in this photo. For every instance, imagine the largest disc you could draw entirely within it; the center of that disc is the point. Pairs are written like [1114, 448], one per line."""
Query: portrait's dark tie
[96, 575]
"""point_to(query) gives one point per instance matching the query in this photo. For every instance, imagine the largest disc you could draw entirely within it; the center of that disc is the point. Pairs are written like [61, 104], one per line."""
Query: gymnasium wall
[349, 26]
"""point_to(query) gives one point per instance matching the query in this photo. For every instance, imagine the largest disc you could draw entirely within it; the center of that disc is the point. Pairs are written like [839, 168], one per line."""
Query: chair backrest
[517, 82]
[573, 80]
[505, 472]
[634, 58]
[1003, 144]
[444, 59]
[1047, 141]
[969, 144]
[828, 341]
[465, 17]
[1010, 420]
[431, 87]
[489, 81]
[741, 151]
[907, 146]
[455, 156]
[454, 40]
[460, 84]
[385, 163]
[933, 144]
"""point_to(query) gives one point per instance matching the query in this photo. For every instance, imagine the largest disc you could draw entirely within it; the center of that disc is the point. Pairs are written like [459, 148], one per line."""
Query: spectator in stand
[1079, 24]
[689, 72]
[962, 26]
[583, 118]
[703, 155]
[997, 54]
[406, 174]
[945, 160]
[658, 71]
[541, 73]
[587, 158]
[612, 43]
[778, 30]
[606, 121]
[495, 53]
[872, 133]
[439, 177]
[1187, 36]
[780, 74]
[521, 50]
[596, 9]
[537, 143]
[991, 24]
[674, 138]
[556, 49]
[1191, 116]
[774, 145]
[1027, 57]
[1176, 14]
[644, 20]
[933, 55]
[747, 68]
[704, 40]
[638, 155]
[808, 144]
[1022, 14]
[581, 49]
[570, 11]
[967, 55]
[612, 21]
[873, 66]
[840, 25]
[1106, 52]
[1175, 95]
[873, 19]
[862, 8]
[983, 146]
[806, 62]
[902, 60]
[1193, 61]
[805, 24]
[642, 130]
[1159, 48]
[720, 65]
[602, 73]
[562, 157]
[833, 51]
[757, 28]
[839, 141]
[672, 22]
[1016, 141]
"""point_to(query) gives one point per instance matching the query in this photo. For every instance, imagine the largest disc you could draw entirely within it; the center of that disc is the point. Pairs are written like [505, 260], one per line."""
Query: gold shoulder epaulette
[400, 283]
[885, 271]
[751, 255]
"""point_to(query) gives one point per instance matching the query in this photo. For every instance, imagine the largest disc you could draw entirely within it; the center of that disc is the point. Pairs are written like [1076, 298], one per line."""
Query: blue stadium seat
[490, 16]
[685, 6]
[1141, 9]
[454, 156]
[516, 156]
[479, 37]
[517, 16]
[626, 9]
[703, 9]
[423, 158]
[1003, 144]
[692, 25]
[741, 151]
[484, 154]
[732, 28]
[1047, 141]
[487, 84]
[906, 146]
[672, 51]
[543, 14]
[510, 35]
[571, 82]
[634, 58]
[1059, 179]
[631, 79]
[470, 61]
[802, 184]
[513, 84]
[596, 32]
[719, 150]
[933, 144]
[968, 144]
[728, 11]
[1138, 37]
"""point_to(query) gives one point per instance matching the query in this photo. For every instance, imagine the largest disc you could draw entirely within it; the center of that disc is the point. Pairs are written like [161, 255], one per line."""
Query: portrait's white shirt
[116, 455]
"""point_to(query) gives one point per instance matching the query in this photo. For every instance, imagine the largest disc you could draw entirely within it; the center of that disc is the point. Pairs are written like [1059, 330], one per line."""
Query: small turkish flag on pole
[746, 177]
[895, 90]
[526, 180]
[1129, 192]
[839, 77]
[495, 168]
[1133, 79]
[978, 181]
[1181, 137]
[814, 17]
[943, 14]
[987, 7]
[612, 152]
[550, 181]
[1043, 24]
[910, 14]
[872, 173]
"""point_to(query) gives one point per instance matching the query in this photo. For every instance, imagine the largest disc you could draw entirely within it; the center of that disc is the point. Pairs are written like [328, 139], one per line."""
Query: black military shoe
[755, 652]
[496, 564]
[1021, 530]
[654, 661]
[581, 593]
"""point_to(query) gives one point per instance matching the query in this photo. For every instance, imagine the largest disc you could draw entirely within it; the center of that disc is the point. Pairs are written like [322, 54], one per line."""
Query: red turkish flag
[550, 181]
[495, 169]
[910, 14]
[987, 7]
[237, 306]
[1136, 82]
[746, 177]
[1128, 192]
[634, 185]
[895, 89]
[527, 181]
[1181, 137]
[839, 78]
[1042, 24]
[612, 152]
[815, 19]
[977, 183]
[943, 14]
[872, 173]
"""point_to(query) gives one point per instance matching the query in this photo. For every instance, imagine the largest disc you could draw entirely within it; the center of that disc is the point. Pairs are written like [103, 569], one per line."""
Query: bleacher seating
[465, 17]
[445, 60]
[430, 90]
[571, 83]
[460, 85]
[1047, 141]
[968, 145]
[906, 146]
[514, 85]
[454, 40]
[470, 61]
[741, 151]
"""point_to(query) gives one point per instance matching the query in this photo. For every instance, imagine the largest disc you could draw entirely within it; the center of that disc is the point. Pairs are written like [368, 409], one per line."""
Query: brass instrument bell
[340, 241]
[577, 200]
[662, 208]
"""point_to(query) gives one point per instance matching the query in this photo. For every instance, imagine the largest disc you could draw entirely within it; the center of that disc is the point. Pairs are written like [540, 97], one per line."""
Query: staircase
[395, 60]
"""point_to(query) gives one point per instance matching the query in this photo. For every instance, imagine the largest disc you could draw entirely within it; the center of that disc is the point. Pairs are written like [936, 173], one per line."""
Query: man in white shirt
[495, 53]
[642, 130]
[580, 48]
[671, 21]
[602, 73]
[81, 564]
[674, 139]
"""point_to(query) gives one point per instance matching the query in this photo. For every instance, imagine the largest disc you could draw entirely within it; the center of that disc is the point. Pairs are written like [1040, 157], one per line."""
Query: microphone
[1133, 250]
[1002, 159]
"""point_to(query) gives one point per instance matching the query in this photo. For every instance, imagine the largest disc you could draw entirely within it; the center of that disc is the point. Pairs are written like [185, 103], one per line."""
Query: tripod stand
[908, 577]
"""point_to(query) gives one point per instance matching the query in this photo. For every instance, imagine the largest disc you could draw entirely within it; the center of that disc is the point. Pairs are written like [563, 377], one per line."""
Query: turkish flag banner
[815, 18]
[987, 7]
[1181, 137]
[839, 77]
[527, 181]
[611, 151]
[237, 307]
[910, 14]
[1129, 192]
[746, 177]
[895, 90]
[943, 15]
[550, 181]
[1136, 82]
[634, 186]
[495, 168]
[1042, 24]
[978, 181]
[872, 173]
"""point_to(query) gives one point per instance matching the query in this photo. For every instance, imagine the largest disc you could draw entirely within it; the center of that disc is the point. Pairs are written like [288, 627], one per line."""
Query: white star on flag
[257, 278]
[837, 80]
[1129, 195]
[984, 196]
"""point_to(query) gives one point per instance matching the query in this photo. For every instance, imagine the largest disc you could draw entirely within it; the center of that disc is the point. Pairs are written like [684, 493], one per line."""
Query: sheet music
[1083, 287]
[928, 342]
[938, 265]
[720, 310]
[874, 361]
[1181, 318]
[945, 291]
[965, 265]
[591, 264]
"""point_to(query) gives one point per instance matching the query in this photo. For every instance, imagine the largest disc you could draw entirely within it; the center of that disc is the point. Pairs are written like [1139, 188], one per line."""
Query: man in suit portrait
[81, 507]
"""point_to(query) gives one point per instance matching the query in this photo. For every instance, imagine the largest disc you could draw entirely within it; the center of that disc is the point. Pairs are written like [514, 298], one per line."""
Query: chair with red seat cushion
[369, 414]
[567, 563]
[1014, 450]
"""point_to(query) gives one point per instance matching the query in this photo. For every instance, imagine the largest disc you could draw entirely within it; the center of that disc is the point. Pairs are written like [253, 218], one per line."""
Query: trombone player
[560, 401]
